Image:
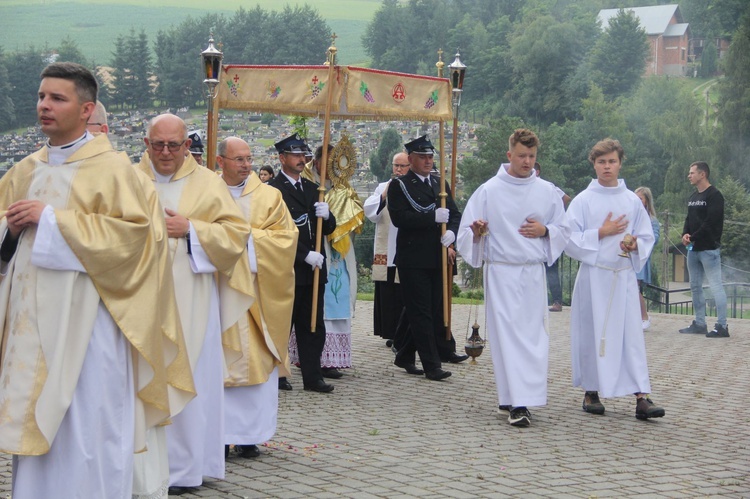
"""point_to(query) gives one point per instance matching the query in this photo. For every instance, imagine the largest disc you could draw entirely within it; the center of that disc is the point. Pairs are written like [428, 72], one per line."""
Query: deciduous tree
[380, 159]
[734, 105]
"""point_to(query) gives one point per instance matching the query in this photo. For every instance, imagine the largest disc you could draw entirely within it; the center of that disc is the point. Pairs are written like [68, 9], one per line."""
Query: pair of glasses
[397, 165]
[240, 159]
[172, 146]
[94, 124]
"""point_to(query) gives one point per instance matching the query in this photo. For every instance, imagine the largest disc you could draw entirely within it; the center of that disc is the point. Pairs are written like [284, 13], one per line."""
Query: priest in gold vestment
[207, 234]
[251, 393]
[89, 362]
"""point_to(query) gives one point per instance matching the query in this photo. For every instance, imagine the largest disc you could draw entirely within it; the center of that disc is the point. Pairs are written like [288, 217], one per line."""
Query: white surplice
[382, 220]
[607, 346]
[514, 278]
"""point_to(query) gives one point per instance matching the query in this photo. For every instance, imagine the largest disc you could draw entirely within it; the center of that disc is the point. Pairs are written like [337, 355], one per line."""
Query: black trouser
[309, 345]
[422, 291]
[387, 306]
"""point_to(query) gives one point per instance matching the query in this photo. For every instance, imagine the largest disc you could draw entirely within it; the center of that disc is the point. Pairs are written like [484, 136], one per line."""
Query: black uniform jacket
[302, 208]
[418, 241]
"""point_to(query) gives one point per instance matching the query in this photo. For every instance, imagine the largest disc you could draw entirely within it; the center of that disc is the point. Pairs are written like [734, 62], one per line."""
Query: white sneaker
[646, 324]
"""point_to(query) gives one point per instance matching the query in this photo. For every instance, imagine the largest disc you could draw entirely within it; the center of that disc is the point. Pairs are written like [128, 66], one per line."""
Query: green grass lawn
[95, 25]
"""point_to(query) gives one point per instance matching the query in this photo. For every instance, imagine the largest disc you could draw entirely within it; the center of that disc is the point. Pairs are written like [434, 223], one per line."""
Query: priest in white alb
[515, 224]
[207, 234]
[612, 237]
[261, 336]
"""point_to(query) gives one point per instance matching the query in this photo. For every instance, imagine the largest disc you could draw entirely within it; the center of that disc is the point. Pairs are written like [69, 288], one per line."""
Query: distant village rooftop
[668, 35]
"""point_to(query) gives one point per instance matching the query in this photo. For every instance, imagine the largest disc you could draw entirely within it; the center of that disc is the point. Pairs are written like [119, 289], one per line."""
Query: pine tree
[619, 56]
[140, 65]
[7, 110]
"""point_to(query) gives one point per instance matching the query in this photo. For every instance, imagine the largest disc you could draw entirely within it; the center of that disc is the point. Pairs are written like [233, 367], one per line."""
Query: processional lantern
[211, 66]
[211, 58]
[458, 70]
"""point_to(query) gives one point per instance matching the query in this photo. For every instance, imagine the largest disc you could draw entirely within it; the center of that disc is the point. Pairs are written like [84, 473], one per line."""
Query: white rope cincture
[616, 272]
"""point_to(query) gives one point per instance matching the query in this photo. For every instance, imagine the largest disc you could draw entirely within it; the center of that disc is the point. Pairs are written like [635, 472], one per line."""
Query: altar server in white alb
[612, 238]
[515, 223]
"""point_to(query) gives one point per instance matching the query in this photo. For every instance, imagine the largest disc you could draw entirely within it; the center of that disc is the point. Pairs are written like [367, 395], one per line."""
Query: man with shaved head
[207, 234]
[251, 388]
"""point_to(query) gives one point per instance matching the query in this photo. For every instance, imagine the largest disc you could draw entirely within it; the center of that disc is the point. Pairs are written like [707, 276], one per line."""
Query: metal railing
[673, 300]
[678, 301]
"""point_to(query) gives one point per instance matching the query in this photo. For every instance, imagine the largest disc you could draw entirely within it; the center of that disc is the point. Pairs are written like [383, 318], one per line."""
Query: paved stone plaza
[384, 433]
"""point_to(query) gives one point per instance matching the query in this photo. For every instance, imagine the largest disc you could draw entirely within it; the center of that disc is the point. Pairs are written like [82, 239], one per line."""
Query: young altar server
[612, 238]
[515, 223]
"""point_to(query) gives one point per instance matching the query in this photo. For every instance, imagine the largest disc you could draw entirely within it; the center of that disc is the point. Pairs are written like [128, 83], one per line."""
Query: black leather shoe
[176, 490]
[409, 367]
[331, 372]
[437, 374]
[284, 384]
[454, 358]
[247, 451]
[319, 386]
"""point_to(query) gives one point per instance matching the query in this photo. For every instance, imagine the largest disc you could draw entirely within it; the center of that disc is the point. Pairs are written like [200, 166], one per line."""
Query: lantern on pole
[211, 67]
[458, 70]
[211, 58]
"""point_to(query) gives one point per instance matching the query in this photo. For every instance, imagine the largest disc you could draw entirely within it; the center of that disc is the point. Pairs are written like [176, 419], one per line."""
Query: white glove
[442, 215]
[315, 259]
[321, 210]
[447, 238]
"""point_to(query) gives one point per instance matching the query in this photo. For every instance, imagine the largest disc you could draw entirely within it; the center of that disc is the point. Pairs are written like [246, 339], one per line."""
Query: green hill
[95, 25]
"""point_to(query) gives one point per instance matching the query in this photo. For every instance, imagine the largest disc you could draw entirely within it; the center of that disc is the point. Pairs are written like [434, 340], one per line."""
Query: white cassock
[607, 346]
[514, 278]
[92, 453]
[251, 412]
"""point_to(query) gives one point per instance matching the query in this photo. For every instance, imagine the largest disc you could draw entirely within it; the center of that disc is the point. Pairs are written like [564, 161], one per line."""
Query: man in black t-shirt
[701, 235]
